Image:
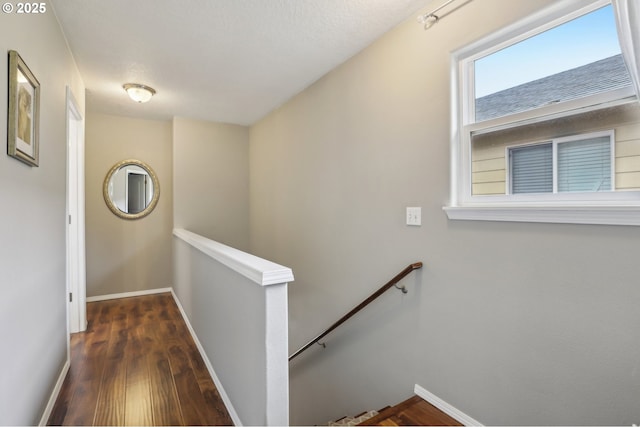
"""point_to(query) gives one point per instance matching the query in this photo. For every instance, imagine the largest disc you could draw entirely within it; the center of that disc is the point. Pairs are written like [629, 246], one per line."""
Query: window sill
[603, 215]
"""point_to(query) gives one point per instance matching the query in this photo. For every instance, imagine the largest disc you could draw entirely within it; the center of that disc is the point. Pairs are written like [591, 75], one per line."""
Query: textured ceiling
[221, 60]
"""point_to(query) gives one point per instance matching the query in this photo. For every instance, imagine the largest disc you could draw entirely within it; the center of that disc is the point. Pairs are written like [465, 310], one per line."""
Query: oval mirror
[131, 189]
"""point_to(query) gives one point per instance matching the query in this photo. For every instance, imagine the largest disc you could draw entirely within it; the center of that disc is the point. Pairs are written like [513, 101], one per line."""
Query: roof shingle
[603, 75]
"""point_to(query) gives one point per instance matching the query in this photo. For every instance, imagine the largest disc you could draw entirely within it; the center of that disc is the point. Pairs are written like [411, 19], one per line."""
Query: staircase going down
[354, 421]
[414, 411]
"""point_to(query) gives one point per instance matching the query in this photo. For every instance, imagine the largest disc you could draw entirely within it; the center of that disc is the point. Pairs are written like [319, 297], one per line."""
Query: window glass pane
[576, 59]
[532, 169]
[490, 167]
[585, 165]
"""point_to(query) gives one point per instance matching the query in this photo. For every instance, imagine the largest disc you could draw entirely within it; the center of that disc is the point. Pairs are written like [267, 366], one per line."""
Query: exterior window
[582, 164]
[532, 169]
[537, 106]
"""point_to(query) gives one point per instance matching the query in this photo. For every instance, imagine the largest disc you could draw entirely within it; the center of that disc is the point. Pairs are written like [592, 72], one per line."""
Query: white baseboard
[54, 394]
[128, 294]
[445, 407]
[207, 362]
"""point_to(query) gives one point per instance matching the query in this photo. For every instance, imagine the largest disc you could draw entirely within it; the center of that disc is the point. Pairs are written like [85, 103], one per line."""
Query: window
[531, 169]
[538, 108]
[584, 165]
[579, 163]
[576, 59]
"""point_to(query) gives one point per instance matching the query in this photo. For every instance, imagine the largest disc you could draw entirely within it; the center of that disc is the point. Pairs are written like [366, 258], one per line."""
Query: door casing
[76, 262]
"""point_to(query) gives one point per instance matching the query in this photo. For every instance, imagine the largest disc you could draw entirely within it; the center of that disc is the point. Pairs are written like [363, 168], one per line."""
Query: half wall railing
[236, 306]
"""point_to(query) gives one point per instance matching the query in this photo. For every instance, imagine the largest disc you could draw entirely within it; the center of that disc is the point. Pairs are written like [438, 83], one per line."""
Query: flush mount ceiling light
[139, 93]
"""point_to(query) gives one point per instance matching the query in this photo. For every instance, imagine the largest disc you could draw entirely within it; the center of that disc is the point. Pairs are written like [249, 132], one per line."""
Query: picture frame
[23, 127]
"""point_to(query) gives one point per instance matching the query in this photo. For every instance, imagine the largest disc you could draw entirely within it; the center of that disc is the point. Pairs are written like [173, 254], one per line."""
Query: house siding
[489, 174]
[628, 157]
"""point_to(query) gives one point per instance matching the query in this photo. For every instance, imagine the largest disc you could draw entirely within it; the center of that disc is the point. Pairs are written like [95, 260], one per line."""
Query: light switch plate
[414, 216]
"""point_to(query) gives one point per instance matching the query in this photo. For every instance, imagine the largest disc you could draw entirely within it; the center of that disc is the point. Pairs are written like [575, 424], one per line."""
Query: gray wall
[511, 323]
[33, 323]
[234, 342]
[204, 182]
[127, 255]
[211, 180]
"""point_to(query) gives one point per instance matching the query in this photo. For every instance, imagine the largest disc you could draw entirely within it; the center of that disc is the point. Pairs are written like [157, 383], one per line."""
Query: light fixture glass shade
[139, 93]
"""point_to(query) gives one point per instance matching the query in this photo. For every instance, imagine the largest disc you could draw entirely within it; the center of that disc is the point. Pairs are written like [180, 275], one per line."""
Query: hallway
[137, 365]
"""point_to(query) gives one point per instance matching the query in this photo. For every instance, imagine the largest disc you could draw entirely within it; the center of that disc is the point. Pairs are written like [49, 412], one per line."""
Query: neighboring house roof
[606, 74]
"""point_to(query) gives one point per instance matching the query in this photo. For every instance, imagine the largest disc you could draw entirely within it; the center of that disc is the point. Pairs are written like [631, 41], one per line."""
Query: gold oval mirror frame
[131, 189]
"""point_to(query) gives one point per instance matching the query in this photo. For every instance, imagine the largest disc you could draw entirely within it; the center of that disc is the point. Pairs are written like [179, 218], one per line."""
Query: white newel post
[277, 342]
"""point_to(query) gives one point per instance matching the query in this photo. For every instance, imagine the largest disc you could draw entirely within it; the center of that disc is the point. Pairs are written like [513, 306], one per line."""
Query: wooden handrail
[363, 304]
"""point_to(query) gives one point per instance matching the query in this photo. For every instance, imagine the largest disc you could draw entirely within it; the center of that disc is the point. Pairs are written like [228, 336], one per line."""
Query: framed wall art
[24, 112]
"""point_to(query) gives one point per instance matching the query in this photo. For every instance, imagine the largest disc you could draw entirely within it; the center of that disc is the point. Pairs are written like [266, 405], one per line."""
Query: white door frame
[76, 263]
[126, 188]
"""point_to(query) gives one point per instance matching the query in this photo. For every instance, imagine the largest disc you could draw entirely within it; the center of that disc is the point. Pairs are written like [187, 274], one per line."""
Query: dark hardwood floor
[137, 365]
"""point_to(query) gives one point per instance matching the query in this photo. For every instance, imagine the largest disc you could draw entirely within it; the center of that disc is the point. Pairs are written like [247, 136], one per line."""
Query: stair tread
[390, 411]
[352, 421]
[413, 411]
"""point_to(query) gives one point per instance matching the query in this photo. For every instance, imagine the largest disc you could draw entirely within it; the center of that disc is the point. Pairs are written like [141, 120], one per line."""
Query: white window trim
[615, 208]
